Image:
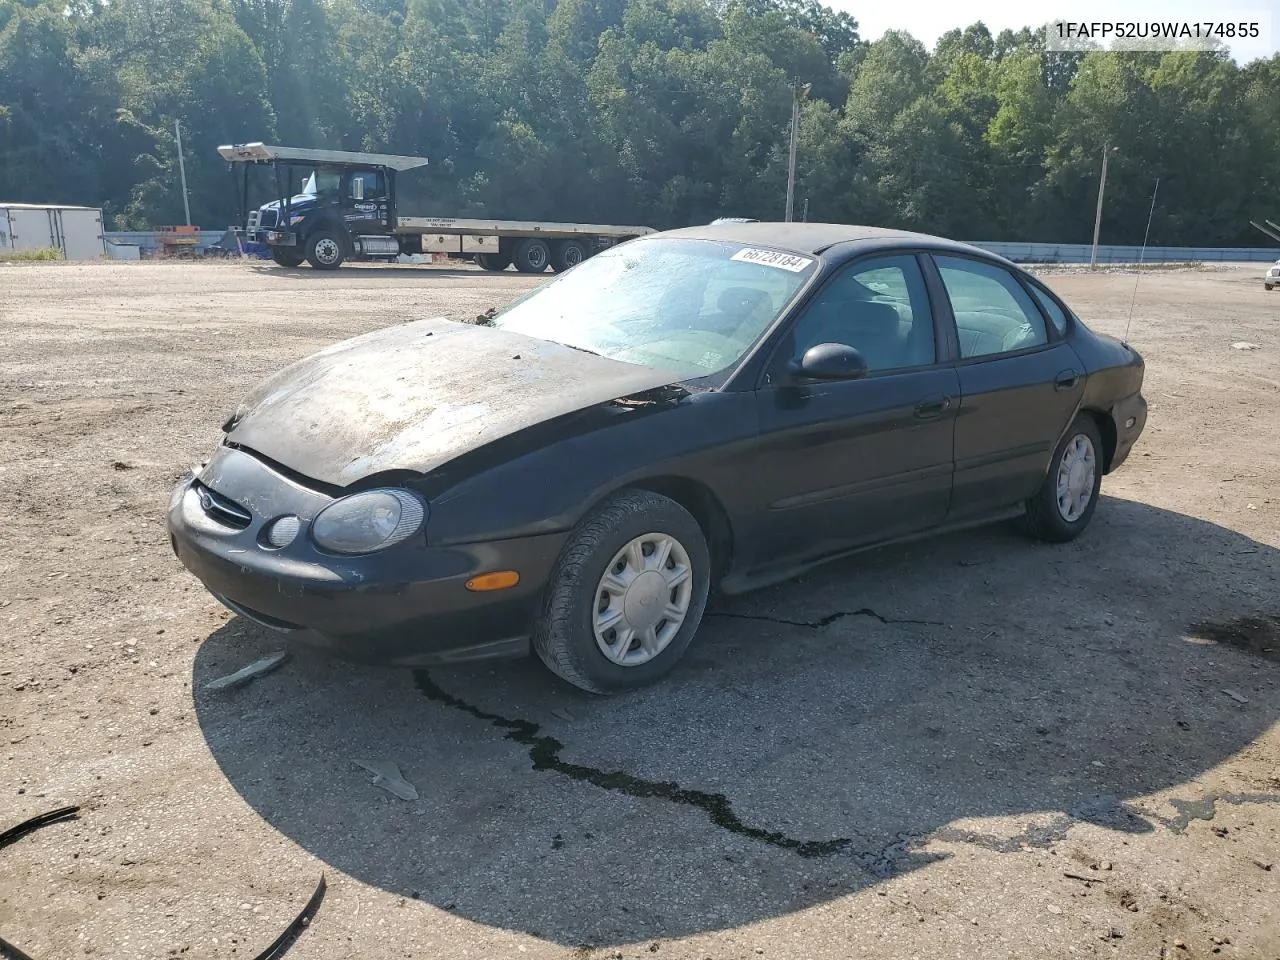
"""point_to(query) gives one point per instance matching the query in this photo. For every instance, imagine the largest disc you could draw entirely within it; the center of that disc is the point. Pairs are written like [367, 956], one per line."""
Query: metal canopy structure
[268, 153]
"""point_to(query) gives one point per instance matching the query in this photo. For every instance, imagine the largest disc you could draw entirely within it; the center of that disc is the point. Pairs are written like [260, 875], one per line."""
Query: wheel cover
[643, 599]
[536, 256]
[572, 255]
[327, 250]
[1076, 472]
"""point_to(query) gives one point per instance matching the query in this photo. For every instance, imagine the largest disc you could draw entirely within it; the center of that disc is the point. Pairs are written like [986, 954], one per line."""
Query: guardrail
[1080, 253]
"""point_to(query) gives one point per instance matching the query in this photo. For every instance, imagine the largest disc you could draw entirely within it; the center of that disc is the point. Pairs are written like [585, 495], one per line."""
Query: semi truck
[336, 206]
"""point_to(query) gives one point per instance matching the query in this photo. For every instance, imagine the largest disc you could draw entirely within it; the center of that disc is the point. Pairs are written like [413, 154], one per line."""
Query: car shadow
[821, 735]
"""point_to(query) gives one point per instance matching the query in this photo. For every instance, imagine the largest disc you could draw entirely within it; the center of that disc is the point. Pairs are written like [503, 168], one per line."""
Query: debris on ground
[1263, 864]
[251, 672]
[1235, 696]
[1244, 345]
[387, 776]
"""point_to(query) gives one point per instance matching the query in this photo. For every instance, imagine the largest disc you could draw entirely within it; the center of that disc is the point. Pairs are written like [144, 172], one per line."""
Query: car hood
[418, 395]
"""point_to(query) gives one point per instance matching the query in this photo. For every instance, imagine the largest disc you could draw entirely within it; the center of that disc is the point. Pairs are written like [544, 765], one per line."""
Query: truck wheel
[324, 249]
[1269, 286]
[286, 258]
[567, 253]
[493, 261]
[531, 255]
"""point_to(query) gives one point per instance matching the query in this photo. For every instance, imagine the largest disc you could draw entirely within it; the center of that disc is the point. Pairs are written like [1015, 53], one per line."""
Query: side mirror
[357, 188]
[830, 361]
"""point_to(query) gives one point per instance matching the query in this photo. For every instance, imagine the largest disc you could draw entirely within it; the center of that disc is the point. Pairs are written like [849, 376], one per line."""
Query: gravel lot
[971, 746]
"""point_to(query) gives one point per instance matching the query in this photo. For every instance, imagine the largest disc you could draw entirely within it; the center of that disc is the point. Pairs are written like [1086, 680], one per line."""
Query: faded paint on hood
[417, 395]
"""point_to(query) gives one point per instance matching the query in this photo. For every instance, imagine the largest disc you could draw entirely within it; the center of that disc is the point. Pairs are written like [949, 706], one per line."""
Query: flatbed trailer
[346, 209]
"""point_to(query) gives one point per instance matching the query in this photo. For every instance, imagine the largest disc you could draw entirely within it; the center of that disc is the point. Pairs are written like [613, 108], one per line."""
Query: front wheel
[627, 595]
[1269, 286]
[1062, 507]
[324, 250]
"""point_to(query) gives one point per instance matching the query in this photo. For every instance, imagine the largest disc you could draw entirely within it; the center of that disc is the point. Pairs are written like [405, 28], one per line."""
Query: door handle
[931, 407]
[1066, 380]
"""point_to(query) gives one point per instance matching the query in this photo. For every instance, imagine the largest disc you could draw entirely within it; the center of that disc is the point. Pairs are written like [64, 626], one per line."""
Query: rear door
[32, 230]
[851, 462]
[1020, 386]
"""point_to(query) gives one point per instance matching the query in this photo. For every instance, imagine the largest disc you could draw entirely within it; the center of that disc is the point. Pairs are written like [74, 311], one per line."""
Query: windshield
[327, 181]
[693, 306]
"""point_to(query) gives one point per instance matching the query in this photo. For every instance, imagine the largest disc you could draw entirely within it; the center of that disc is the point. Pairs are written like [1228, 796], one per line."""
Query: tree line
[656, 112]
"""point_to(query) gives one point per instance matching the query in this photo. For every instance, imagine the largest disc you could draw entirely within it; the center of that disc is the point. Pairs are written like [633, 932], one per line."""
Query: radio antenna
[1141, 257]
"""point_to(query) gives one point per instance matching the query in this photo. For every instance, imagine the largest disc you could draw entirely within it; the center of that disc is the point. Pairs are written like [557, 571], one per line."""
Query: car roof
[814, 238]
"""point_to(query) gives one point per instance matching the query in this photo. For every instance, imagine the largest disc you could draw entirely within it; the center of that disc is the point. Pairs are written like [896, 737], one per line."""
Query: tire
[566, 254]
[286, 258]
[1047, 517]
[531, 255]
[1269, 286]
[324, 249]
[565, 633]
[493, 262]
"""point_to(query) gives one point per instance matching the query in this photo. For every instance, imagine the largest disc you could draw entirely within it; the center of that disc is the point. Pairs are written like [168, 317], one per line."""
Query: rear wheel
[286, 258]
[324, 249]
[531, 255]
[493, 261]
[1269, 286]
[566, 254]
[627, 595]
[1064, 504]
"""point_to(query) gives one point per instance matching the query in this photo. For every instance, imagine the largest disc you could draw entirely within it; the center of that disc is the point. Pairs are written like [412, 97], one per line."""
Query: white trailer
[76, 232]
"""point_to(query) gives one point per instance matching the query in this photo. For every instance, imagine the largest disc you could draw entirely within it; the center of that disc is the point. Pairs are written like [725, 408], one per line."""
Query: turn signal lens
[498, 580]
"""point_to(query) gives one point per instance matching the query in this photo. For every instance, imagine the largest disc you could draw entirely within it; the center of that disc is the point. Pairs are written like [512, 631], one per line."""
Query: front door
[851, 462]
[364, 206]
[1020, 385]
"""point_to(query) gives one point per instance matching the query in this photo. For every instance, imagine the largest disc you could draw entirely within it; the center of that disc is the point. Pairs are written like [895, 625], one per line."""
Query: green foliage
[47, 253]
[661, 112]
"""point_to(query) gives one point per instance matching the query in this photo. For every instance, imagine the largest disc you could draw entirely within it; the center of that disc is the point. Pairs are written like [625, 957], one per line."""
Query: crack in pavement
[827, 620]
[544, 752]
[1106, 811]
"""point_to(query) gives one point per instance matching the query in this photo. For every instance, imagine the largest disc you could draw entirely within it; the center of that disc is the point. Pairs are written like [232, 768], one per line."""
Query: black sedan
[716, 407]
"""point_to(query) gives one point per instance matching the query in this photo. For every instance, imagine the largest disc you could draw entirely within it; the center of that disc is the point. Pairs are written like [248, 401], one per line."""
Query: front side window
[994, 313]
[692, 306]
[879, 307]
[372, 185]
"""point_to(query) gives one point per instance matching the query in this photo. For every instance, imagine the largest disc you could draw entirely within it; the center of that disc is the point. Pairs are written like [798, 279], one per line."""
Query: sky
[926, 21]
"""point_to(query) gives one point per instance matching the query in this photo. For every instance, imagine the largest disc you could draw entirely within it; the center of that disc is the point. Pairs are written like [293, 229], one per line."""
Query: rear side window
[994, 313]
[1054, 312]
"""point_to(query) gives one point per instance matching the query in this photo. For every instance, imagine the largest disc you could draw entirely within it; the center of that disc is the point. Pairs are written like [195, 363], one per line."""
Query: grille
[268, 218]
[227, 512]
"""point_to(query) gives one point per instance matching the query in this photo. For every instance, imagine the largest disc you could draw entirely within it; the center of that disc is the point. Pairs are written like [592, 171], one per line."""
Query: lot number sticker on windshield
[771, 258]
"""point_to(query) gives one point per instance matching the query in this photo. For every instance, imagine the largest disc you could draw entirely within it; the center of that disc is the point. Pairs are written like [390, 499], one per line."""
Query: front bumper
[407, 605]
[1130, 416]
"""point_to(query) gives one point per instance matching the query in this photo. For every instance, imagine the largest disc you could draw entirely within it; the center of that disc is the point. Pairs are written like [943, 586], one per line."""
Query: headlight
[367, 522]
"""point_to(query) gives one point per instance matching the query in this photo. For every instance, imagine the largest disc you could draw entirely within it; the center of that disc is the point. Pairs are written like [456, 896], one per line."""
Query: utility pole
[798, 92]
[1107, 150]
[182, 172]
